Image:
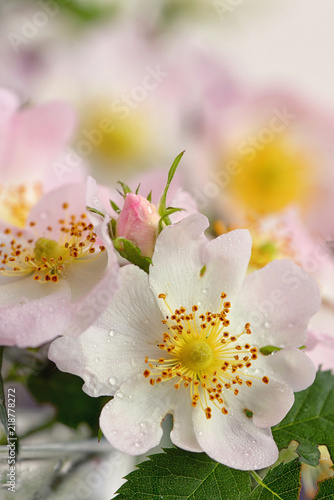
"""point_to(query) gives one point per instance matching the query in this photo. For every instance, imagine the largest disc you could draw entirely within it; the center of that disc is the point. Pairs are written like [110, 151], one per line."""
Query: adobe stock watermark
[30, 27]
[120, 109]
[225, 7]
[248, 149]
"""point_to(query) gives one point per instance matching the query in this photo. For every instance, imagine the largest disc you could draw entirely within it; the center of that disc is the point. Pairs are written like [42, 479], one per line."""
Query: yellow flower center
[267, 246]
[117, 138]
[203, 356]
[197, 355]
[276, 177]
[44, 258]
[17, 201]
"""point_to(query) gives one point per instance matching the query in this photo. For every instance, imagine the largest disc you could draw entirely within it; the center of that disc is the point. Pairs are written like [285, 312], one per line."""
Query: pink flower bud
[139, 223]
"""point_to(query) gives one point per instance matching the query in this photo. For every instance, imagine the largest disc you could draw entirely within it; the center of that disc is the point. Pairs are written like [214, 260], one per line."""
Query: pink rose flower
[30, 141]
[57, 274]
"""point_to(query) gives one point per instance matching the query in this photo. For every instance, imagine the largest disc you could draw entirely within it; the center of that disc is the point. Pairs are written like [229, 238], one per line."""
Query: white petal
[102, 360]
[233, 440]
[269, 402]
[226, 259]
[183, 434]
[290, 366]
[132, 420]
[177, 262]
[133, 311]
[278, 301]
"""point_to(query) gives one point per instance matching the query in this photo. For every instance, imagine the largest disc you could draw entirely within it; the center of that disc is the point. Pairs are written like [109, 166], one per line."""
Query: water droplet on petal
[111, 333]
[97, 360]
[143, 425]
[137, 445]
[113, 380]
[120, 394]
[200, 433]
[267, 324]
[204, 291]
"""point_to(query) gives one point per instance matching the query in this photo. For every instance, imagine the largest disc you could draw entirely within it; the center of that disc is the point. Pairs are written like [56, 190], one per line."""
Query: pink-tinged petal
[133, 311]
[177, 262]
[132, 420]
[278, 302]
[183, 434]
[49, 209]
[36, 137]
[92, 287]
[226, 259]
[321, 350]
[233, 440]
[8, 105]
[289, 366]
[183, 200]
[93, 201]
[37, 321]
[24, 289]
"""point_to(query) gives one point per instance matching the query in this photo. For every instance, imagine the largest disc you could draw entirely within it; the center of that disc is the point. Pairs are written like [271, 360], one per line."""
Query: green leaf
[64, 391]
[177, 474]
[171, 173]
[3, 411]
[280, 483]
[326, 490]
[95, 211]
[310, 421]
[132, 253]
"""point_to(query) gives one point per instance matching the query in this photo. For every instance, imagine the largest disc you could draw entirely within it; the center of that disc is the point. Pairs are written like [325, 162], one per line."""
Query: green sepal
[136, 192]
[165, 219]
[112, 228]
[99, 435]
[125, 187]
[149, 196]
[162, 203]
[269, 349]
[132, 253]
[115, 207]
[95, 211]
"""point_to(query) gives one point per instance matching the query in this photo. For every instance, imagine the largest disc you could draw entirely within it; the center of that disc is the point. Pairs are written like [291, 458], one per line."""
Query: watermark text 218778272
[11, 441]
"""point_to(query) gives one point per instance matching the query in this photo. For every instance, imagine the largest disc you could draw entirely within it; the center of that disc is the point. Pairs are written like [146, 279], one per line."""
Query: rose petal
[234, 440]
